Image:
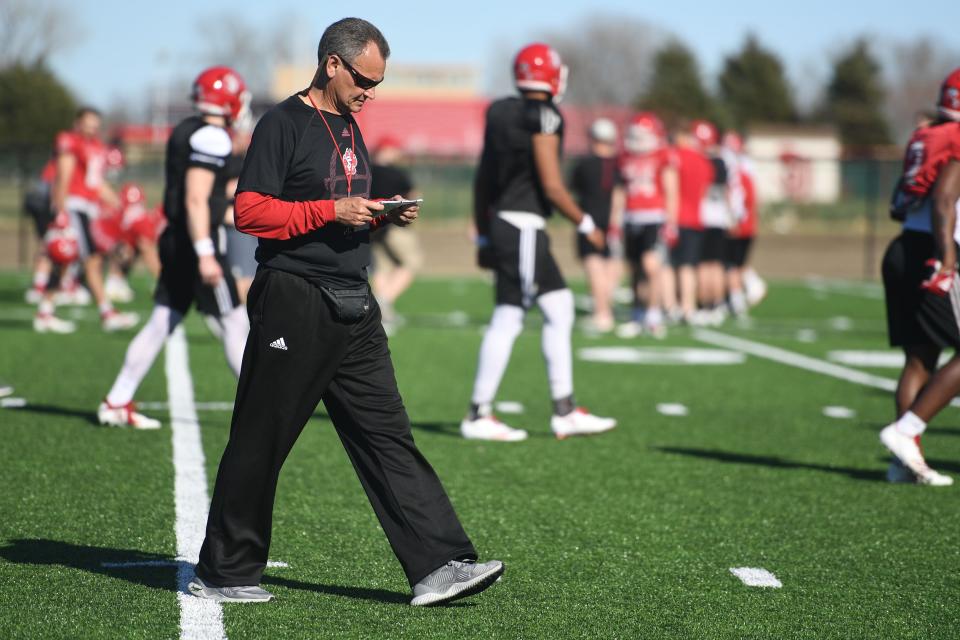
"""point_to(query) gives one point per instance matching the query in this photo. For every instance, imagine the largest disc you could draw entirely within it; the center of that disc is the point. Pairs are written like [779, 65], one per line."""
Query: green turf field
[628, 535]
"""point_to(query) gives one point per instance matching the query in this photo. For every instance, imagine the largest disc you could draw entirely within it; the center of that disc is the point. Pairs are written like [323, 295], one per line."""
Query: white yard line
[792, 359]
[199, 619]
[798, 360]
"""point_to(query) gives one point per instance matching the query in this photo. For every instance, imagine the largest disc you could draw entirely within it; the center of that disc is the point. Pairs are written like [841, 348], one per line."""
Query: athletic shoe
[455, 580]
[908, 452]
[580, 422]
[252, 593]
[76, 296]
[933, 478]
[49, 323]
[118, 290]
[629, 330]
[657, 331]
[33, 296]
[114, 320]
[125, 416]
[489, 428]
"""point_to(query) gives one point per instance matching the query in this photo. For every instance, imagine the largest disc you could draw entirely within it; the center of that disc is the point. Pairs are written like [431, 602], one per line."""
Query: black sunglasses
[362, 81]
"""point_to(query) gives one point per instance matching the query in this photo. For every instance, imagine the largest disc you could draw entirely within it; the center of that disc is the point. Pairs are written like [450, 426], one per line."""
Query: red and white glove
[940, 280]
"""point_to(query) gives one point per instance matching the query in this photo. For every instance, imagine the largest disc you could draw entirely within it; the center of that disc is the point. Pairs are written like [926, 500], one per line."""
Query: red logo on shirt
[350, 162]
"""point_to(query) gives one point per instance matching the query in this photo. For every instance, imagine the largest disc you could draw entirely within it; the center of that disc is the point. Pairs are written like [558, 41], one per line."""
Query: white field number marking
[756, 577]
[508, 406]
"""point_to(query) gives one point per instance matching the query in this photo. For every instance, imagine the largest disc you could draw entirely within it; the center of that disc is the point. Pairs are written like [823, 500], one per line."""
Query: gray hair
[348, 38]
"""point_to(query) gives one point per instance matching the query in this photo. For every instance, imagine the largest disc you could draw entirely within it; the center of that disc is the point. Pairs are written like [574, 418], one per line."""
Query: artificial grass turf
[627, 535]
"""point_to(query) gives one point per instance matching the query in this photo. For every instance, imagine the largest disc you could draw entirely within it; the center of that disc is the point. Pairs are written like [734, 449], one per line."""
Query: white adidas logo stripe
[279, 343]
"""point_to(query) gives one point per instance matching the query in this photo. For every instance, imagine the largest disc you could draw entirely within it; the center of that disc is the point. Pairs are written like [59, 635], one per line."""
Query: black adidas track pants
[347, 366]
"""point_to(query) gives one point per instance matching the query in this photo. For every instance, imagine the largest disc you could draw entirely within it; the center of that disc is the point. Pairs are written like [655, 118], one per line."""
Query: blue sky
[125, 46]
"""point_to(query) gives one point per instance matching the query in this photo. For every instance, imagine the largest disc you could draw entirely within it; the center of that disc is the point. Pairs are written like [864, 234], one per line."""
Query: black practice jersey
[512, 180]
[292, 157]
[593, 179]
[195, 143]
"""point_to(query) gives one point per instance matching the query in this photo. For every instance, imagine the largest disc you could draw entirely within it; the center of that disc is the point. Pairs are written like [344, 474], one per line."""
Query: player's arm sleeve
[258, 209]
[482, 196]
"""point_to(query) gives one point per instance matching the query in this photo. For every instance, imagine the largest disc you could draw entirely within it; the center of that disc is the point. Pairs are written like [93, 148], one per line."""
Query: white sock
[738, 302]
[236, 326]
[105, 307]
[911, 425]
[46, 307]
[558, 316]
[141, 354]
[505, 325]
[40, 280]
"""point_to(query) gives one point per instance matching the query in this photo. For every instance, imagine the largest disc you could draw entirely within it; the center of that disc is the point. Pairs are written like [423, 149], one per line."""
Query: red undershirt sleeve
[264, 216]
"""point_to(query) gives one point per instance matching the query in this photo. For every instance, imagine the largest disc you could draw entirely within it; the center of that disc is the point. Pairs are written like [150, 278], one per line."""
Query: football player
[694, 177]
[517, 186]
[193, 269]
[596, 180]
[78, 189]
[717, 217]
[743, 203]
[920, 281]
[650, 173]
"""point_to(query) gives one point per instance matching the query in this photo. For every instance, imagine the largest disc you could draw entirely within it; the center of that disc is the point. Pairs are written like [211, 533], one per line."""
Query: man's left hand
[403, 216]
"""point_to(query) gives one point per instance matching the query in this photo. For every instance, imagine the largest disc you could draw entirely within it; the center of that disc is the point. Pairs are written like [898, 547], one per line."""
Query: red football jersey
[747, 227]
[91, 155]
[643, 175]
[695, 174]
[928, 150]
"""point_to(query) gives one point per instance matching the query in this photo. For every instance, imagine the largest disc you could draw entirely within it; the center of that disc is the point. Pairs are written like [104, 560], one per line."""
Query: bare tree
[914, 71]
[33, 30]
[610, 57]
[252, 48]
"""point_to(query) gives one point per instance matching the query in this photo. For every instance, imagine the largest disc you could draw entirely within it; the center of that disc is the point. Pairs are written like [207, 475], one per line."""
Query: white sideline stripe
[799, 361]
[199, 619]
[756, 577]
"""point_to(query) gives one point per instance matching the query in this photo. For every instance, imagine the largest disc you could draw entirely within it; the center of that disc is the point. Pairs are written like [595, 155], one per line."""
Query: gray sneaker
[455, 580]
[206, 591]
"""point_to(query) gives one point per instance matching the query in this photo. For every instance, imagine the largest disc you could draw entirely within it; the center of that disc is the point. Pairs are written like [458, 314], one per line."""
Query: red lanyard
[348, 171]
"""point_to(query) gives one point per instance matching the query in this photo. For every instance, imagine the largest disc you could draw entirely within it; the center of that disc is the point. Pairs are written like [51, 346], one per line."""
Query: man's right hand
[210, 271]
[355, 212]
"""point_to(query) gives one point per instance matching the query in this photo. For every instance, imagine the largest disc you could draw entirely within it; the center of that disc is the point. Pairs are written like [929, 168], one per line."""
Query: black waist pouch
[348, 305]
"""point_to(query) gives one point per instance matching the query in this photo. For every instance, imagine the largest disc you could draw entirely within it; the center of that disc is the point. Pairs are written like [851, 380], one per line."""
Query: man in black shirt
[316, 335]
[518, 183]
[193, 267]
[596, 180]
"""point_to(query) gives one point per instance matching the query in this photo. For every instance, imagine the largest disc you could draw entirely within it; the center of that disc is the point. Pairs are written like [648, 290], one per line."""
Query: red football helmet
[949, 103]
[645, 133]
[538, 68]
[220, 91]
[60, 240]
[705, 132]
[131, 193]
